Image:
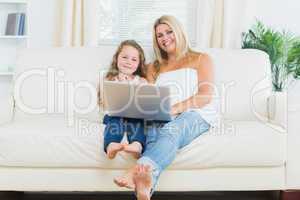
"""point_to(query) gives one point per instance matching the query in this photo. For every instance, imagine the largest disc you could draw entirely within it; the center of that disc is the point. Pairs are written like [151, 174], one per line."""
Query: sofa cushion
[49, 142]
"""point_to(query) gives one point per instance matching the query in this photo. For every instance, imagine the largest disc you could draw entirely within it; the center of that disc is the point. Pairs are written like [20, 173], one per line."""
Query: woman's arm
[204, 67]
[150, 73]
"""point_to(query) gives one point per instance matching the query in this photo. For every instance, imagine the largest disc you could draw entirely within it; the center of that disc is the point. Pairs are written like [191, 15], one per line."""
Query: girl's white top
[184, 84]
[136, 80]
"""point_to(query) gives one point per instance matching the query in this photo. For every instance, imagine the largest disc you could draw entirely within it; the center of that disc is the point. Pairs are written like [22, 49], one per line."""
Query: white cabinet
[11, 44]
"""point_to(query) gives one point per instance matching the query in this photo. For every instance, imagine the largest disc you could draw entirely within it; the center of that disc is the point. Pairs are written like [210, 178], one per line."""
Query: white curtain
[221, 23]
[70, 23]
[77, 23]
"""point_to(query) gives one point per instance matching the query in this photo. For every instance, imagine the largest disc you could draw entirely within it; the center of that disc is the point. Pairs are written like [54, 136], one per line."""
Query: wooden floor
[269, 195]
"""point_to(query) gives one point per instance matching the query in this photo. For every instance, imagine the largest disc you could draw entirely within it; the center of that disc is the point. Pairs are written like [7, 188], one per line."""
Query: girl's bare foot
[126, 179]
[134, 148]
[143, 182]
[113, 148]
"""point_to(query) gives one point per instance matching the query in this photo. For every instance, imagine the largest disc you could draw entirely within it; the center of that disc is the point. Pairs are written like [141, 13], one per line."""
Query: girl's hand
[143, 80]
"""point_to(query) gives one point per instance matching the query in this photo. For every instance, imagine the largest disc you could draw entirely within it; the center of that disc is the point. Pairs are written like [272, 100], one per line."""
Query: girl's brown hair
[113, 70]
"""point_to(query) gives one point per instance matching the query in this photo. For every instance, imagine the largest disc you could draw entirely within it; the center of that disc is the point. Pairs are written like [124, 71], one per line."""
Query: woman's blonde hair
[114, 70]
[181, 39]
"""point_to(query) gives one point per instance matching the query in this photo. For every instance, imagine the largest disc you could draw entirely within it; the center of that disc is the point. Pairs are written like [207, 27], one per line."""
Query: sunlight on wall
[280, 14]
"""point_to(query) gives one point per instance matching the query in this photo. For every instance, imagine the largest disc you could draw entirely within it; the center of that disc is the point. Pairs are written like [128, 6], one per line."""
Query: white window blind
[119, 20]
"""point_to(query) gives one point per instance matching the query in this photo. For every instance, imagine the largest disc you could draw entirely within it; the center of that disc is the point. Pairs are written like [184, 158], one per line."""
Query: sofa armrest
[293, 150]
[293, 138]
[277, 109]
[6, 109]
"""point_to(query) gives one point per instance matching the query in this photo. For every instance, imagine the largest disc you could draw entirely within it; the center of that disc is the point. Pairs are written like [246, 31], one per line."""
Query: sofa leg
[11, 195]
[290, 195]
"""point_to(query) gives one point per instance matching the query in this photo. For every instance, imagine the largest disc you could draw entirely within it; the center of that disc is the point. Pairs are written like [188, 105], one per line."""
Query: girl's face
[165, 38]
[128, 60]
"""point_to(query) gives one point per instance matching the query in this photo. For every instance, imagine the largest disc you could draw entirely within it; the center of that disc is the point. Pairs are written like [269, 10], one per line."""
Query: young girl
[128, 65]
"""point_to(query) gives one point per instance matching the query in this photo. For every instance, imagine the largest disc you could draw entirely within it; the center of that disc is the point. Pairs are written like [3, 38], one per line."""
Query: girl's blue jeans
[117, 126]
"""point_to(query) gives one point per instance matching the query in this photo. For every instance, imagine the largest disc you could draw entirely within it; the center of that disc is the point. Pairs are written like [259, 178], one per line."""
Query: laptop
[142, 101]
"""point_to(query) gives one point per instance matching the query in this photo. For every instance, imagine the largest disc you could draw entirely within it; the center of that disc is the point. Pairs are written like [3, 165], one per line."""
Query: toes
[116, 181]
[130, 186]
[136, 167]
[147, 168]
[121, 147]
[143, 169]
[124, 183]
[119, 182]
[140, 169]
[135, 173]
[109, 155]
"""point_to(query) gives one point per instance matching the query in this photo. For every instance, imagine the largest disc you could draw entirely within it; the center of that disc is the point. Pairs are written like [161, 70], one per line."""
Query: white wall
[42, 31]
[279, 14]
[42, 22]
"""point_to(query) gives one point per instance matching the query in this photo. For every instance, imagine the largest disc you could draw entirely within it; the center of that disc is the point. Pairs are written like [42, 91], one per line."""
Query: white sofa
[47, 145]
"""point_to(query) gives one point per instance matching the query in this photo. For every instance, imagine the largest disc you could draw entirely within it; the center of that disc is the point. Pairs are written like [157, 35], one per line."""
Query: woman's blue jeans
[165, 139]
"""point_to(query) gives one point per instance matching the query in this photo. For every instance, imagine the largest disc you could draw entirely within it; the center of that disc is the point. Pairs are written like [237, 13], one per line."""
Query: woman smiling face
[166, 38]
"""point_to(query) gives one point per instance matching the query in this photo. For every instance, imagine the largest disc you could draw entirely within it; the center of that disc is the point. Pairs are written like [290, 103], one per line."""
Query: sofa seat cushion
[47, 141]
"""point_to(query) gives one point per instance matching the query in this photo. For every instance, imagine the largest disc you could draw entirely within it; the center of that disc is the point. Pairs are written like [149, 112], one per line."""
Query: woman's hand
[178, 108]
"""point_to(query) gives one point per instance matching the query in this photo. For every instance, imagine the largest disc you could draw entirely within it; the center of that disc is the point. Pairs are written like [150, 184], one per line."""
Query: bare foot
[143, 182]
[126, 179]
[134, 149]
[113, 148]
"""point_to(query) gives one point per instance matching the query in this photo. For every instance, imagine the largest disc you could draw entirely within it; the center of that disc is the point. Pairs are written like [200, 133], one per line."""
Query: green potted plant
[294, 88]
[283, 49]
[284, 53]
[294, 59]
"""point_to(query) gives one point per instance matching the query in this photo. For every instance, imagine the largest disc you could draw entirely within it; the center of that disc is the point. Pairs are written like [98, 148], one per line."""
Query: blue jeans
[117, 126]
[165, 139]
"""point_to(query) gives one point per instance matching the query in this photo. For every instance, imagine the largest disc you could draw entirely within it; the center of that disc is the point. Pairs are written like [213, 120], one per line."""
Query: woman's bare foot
[143, 182]
[126, 179]
[113, 148]
[134, 149]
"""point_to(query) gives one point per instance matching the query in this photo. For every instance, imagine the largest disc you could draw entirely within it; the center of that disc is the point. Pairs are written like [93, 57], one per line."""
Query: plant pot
[277, 109]
[294, 96]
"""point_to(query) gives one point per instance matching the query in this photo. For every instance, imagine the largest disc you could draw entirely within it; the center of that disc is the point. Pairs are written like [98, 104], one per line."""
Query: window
[119, 20]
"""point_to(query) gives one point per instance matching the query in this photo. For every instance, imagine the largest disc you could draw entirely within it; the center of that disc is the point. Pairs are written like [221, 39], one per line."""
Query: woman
[183, 69]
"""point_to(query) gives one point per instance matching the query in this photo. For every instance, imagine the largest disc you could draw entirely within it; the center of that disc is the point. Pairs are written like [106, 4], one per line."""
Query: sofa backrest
[242, 72]
[243, 79]
[46, 78]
